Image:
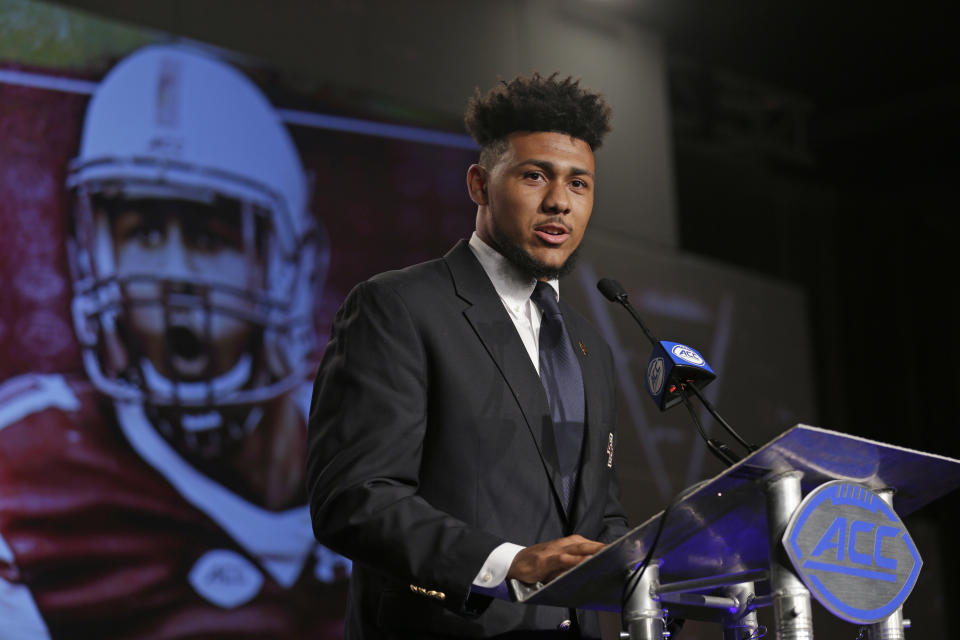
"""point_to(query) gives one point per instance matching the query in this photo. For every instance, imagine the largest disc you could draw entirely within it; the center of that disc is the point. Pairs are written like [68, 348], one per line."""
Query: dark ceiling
[882, 76]
[841, 54]
[866, 66]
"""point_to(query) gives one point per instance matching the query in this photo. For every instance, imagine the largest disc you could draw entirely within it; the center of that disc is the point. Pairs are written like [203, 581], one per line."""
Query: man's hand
[543, 562]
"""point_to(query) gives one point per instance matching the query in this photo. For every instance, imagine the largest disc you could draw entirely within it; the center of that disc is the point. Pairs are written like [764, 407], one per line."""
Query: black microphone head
[611, 290]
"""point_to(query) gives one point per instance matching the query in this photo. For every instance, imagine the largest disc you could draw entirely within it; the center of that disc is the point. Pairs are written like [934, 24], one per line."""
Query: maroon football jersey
[106, 547]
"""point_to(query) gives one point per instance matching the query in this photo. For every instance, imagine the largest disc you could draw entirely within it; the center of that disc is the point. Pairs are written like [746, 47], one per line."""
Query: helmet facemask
[186, 305]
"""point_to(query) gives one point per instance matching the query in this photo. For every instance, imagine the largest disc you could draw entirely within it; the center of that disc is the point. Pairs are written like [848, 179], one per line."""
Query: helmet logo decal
[168, 94]
[167, 109]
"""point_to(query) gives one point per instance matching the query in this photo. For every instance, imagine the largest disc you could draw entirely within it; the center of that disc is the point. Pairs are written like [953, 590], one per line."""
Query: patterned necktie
[563, 382]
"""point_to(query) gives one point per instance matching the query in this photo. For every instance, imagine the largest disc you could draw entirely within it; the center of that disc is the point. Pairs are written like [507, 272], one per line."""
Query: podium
[720, 553]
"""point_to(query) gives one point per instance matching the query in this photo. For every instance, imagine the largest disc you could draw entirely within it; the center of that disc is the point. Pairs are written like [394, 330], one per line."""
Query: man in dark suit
[462, 425]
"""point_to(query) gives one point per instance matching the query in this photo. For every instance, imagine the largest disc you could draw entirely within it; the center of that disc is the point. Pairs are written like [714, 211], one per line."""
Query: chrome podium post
[642, 613]
[891, 628]
[793, 618]
[742, 623]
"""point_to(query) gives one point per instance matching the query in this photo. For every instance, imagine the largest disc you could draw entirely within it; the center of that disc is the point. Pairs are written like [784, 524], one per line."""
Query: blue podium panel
[719, 527]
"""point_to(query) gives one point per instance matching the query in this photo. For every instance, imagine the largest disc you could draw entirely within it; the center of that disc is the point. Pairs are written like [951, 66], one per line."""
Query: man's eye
[579, 184]
[533, 175]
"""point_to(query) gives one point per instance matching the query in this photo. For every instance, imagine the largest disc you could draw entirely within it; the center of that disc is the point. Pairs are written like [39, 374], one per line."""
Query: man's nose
[175, 258]
[557, 199]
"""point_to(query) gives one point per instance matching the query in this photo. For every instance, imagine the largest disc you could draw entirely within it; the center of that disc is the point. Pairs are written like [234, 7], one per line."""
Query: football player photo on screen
[161, 494]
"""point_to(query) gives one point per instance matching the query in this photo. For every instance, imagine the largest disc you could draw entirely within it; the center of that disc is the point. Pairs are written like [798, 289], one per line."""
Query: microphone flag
[670, 364]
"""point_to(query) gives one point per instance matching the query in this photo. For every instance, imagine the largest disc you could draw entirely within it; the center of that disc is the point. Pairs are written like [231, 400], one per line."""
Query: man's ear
[477, 184]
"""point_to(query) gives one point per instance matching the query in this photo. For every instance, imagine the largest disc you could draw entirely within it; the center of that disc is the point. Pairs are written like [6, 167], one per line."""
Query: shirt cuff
[490, 579]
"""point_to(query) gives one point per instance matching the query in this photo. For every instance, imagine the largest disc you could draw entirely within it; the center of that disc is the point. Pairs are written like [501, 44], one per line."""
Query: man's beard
[529, 265]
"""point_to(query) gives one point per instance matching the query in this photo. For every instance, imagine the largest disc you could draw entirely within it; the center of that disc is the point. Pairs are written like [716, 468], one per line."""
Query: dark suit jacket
[431, 442]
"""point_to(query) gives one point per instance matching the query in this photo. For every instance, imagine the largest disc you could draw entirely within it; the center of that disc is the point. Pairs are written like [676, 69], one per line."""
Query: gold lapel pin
[583, 348]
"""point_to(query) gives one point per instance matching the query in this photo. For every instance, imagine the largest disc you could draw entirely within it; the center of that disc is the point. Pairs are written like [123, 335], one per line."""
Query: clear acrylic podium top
[720, 526]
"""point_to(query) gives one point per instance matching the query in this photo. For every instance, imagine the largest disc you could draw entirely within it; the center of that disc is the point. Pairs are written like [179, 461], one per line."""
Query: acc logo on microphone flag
[852, 552]
[672, 365]
[687, 354]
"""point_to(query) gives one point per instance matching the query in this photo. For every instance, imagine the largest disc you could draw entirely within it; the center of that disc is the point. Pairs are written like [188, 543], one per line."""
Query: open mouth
[188, 354]
[552, 233]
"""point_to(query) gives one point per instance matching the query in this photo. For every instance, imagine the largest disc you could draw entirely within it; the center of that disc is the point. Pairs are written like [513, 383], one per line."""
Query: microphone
[614, 292]
[671, 364]
[672, 370]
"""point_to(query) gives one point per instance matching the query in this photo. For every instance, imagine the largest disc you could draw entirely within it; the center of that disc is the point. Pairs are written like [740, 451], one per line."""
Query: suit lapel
[499, 336]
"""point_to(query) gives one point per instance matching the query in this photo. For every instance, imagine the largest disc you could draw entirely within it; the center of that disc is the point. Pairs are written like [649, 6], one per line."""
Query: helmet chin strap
[166, 391]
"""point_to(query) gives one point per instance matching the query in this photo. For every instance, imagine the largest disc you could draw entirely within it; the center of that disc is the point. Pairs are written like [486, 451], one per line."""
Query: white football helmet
[168, 122]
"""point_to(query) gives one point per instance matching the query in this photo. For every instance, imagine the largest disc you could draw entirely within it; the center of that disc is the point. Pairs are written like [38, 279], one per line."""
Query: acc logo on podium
[852, 551]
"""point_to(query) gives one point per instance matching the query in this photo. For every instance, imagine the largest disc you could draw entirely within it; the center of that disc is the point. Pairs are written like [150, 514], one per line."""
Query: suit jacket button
[564, 626]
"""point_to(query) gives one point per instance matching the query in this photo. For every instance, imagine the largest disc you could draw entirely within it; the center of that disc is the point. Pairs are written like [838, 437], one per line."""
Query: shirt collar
[513, 286]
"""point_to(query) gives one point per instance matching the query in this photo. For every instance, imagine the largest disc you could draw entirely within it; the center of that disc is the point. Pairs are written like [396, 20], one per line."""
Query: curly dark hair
[536, 104]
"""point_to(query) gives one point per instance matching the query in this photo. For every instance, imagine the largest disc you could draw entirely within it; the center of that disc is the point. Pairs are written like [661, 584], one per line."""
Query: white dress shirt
[514, 289]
